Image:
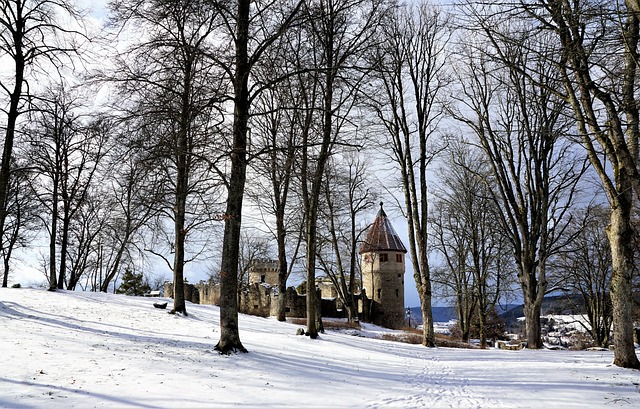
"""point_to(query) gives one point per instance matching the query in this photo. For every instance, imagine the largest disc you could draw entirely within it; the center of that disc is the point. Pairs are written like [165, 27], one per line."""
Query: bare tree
[79, 230]
[35, 42]
[599, 66]
[467, 233]
[584, 269]
[339, 32]
[238, 20]
[520, 125]
[412, 78]
[276, 129]
[594, 47]
[21, 215]
[347, 195]
[133, 192]
[85, 233]
[175, 88]
[65, 149]
[83, 237]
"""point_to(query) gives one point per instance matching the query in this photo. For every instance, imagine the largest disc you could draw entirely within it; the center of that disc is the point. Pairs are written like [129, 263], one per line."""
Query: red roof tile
[381, 236]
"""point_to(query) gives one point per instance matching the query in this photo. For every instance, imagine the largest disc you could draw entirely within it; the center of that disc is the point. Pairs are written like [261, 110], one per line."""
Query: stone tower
[263, 271]
[383, 272]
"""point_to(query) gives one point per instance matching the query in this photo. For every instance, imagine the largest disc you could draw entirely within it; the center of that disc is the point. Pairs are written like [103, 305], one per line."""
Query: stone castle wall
[262, 300]
[259, 299]
[191, 292]
[209, 293]
[295, 304]
[256, 300]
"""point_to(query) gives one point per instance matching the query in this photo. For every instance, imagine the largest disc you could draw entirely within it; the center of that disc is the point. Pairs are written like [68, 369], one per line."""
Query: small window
[379, 292]
[263, 278]
[397, 293]
[367, 258]
[287, 309]
[398, 258]
[399, 275]
[384, 257]
[255, 307]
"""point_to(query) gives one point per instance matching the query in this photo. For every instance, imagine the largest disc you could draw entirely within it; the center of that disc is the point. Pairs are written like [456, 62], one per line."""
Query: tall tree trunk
[54, 234]
[482, 327]
[182, 191]
[229, 332]
[417, 239]
[428, 333]
[417, 216]
[104, 284]
[64, 244]
[532, 323]
[12, 118]
[280, 199]
[312, 301]
[533, 291]
[5, 273]
[282, 267]
[621, 239]
[179, 305]
[313, 198]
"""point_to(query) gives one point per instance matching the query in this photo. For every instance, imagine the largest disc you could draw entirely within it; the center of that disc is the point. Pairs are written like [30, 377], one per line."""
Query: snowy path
[430, 383]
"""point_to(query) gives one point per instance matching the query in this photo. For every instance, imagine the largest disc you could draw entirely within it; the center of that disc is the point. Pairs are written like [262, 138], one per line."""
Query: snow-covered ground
[74, 349]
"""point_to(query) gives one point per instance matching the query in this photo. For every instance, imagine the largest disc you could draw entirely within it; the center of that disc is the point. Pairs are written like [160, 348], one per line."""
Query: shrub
[406, 337]
[451, 342]
[580, 341]
[333, 324]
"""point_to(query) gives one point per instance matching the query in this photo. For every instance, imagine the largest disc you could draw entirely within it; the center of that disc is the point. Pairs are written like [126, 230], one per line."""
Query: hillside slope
[73, 349]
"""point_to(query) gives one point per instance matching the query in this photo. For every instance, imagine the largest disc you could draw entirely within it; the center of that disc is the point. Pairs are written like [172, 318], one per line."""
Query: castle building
[381, 298]
[383, 266]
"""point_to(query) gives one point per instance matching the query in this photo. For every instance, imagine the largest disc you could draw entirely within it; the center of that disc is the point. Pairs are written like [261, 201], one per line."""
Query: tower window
[397, 293]
[263, 278]
[384, 257]
[398, 258]
[379, 292]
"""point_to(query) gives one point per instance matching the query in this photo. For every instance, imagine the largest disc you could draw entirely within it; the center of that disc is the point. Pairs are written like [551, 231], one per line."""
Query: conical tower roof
[381, 236]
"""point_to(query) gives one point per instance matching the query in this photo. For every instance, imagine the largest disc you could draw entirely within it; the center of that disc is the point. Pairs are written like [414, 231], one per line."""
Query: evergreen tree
[133, 284]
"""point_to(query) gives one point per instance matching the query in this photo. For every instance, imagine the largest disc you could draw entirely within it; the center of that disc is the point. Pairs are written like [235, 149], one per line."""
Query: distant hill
[444, 314]
[440, 314]
[552, 305]
[557, 305]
